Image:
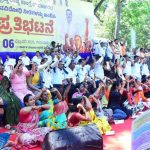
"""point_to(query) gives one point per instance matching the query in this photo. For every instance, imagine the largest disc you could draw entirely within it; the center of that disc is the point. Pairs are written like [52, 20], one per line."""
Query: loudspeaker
[76, 138]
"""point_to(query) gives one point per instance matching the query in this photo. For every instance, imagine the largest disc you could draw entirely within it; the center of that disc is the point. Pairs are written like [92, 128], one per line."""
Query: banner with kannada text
[31, 25]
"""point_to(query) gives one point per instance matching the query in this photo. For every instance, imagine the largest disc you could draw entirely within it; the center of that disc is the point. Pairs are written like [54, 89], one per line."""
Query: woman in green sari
[10, 101]
[48, 118]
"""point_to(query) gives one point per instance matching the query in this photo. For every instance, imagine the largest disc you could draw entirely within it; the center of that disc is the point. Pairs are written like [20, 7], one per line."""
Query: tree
[97, 5]
[118, 17]
[135, 14]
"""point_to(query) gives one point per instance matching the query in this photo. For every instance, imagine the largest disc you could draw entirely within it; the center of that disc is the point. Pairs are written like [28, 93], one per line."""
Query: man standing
[117, 49]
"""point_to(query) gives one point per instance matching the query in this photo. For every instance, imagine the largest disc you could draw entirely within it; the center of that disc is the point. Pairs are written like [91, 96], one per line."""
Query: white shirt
[25, 60]
[117, 51]
[120, 72]
[71, 74]
[97, 49]
[138, 52]
[109, 52]
[57, 76]
[81, 72]
[98, 69]
[128, 68]
[102, 51]
[67, 61]
[45, 68]
[90, 72]
[47, 77]
[55, 59]
[9, 65]
[77, 59]
[136, 70]
[37, 60]
[10, 61]
[49, 57]
[145, 70]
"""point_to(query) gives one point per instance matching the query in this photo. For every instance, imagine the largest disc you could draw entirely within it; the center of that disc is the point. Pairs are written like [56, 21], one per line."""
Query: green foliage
[108, 17]
[135, 14]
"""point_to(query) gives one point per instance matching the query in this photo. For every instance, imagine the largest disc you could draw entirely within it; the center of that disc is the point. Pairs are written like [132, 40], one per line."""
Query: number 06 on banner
[8, 43]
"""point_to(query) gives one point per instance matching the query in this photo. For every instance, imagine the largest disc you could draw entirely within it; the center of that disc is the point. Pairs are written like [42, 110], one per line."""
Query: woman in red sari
[75, 116]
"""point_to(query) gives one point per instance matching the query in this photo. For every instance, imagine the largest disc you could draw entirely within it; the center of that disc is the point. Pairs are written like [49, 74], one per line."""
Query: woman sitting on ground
[75, 116]
[10, 104]
[101, 123]
[86, 115]
[29, 133]
[49, 117]
[116, 101]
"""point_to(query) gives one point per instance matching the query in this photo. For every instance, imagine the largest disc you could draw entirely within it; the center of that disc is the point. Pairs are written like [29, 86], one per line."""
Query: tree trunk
[118, 17]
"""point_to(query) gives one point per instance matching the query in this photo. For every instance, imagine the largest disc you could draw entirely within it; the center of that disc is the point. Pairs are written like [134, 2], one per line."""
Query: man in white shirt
[81, 70]
[9, 65]
[102, 49]
[144, 68]
[127, 65]
[136, 68]
[90, 70]
[98, 68]
[76, 57]
[47, 55]
[96, 47]
[44, 67]
[58, 75]
[117, 49]
[71, 72]
[67, 58]
[37, 58]
[109, 51]
[25, 59]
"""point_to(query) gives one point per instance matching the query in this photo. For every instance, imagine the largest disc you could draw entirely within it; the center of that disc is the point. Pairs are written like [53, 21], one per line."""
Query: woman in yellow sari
[101, 123]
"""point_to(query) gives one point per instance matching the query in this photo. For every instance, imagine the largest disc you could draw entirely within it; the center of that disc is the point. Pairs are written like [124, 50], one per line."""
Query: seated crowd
[61, 90]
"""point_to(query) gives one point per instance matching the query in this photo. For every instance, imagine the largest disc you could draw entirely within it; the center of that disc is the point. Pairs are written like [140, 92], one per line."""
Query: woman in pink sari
[29, 135]
[18, 80]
